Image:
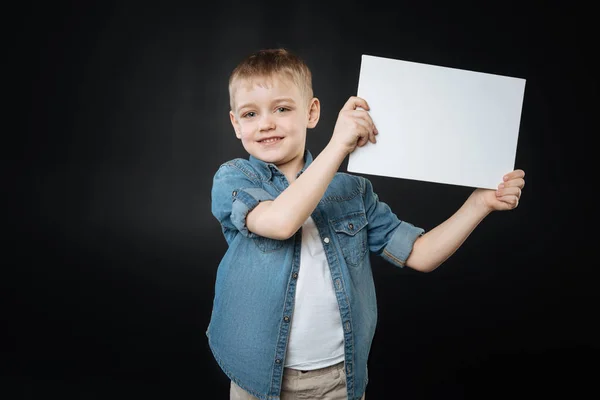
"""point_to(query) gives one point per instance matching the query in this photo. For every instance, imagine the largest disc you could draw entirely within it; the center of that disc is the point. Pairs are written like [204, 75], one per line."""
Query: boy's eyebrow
[288, 99]
[275, 100]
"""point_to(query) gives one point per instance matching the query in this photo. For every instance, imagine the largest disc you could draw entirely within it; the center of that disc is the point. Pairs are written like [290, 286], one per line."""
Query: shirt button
[350, 226]
[278, 361]
[234, 193]
[326, 240]
[286, 318]
[295, 275]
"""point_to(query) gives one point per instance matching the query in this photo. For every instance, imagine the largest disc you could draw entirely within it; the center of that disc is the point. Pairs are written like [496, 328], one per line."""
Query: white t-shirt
[317, 337]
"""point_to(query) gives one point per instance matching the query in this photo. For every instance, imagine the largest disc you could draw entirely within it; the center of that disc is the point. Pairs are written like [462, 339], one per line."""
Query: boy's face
[270, 117]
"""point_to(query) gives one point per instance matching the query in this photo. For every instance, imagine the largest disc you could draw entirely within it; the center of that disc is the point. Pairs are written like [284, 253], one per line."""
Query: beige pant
[327, 383]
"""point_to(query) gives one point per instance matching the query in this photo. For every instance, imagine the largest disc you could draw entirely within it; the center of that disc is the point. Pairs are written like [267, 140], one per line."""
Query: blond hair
[271, 62]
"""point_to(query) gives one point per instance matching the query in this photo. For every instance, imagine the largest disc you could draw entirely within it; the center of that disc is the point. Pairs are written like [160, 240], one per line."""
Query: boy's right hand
[354, 126]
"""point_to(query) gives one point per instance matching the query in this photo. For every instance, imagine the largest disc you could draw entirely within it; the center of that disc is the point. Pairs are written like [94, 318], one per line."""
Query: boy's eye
[282, 109]
[249, 114]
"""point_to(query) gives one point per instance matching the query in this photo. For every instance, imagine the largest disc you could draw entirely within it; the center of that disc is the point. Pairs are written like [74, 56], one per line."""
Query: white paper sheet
[439, 124]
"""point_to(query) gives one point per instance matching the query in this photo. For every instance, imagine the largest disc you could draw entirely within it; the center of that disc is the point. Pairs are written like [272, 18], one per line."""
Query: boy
[294, 311]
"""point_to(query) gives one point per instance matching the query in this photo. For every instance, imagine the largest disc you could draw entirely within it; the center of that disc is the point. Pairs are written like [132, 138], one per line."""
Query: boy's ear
[314, 112]
[236, 125]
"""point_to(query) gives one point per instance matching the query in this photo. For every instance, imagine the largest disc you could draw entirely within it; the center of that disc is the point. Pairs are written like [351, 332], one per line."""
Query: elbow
[277, 230]
[280, 235]
[266, 222]
[420, 264]
[428, 268]
[285, 231]
[421, 267]
[420, 259]
[282, 226]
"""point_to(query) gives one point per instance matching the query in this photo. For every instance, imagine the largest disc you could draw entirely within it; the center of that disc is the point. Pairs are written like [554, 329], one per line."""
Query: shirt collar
[266, 169]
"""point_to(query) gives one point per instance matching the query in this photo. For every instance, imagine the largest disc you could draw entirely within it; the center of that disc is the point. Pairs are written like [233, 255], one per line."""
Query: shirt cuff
[399, 248]
[244, 201]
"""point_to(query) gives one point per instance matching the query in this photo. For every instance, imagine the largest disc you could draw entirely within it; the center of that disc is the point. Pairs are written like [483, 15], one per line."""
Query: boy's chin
[276, 157]
[267, 159]
[272, 157]
[262, 156]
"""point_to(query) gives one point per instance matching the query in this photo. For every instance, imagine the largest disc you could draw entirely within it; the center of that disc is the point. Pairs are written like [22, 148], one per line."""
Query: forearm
[434, 247]
[281, 218]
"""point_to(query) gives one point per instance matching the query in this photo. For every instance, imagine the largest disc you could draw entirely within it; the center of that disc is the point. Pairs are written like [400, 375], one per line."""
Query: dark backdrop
[110, 249]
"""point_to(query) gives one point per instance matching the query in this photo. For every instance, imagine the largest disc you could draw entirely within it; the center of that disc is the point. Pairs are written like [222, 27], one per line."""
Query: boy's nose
[266, 123]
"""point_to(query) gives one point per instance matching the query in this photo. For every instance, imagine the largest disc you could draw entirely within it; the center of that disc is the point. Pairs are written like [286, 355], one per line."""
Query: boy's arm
[282, 217]
[434, 247]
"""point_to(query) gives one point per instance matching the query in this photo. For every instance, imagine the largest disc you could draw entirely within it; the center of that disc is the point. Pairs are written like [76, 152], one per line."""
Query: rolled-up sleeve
[234, 194]
[389, 237]
[400, 246]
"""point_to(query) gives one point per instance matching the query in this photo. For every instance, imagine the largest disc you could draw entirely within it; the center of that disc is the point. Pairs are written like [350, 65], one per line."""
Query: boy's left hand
[508, 194]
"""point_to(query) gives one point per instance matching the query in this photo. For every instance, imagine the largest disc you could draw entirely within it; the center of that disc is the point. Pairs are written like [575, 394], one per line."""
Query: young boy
[294, 311]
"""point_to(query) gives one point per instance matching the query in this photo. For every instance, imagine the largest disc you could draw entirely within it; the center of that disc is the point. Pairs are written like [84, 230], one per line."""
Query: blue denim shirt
[256, 279]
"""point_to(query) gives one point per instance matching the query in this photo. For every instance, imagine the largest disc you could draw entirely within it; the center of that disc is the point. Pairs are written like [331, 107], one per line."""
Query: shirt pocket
[351, 234]
[267, 245]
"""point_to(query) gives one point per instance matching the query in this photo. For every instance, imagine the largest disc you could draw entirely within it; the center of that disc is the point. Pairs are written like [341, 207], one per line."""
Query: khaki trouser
[327, 383]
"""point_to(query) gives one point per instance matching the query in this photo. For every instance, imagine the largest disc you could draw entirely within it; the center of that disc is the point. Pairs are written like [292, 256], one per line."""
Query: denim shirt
[256, 279]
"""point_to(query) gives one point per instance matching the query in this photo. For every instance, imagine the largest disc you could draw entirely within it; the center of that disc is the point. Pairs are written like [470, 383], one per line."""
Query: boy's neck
[291, 170]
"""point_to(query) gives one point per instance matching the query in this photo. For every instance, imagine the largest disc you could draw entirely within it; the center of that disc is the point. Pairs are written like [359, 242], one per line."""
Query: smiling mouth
[270, 140]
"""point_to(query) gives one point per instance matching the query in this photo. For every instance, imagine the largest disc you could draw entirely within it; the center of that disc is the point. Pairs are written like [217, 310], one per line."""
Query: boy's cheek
[246, 137]
[245, 128]
[243, 134]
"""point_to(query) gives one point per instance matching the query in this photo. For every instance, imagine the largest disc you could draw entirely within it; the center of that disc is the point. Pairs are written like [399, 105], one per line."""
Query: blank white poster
[439, 124]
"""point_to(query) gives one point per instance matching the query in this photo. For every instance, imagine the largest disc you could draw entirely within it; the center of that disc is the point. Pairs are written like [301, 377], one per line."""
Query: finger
[364, 136]
[511, 191]
[364, 123]
[364, 116]
[372, 138]
[362, 140]
[353, 102]
[517, 173]
[510, 201]
[519, 182]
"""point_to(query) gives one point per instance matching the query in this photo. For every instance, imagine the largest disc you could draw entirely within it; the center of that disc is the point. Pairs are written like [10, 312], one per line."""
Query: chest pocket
[351, 233]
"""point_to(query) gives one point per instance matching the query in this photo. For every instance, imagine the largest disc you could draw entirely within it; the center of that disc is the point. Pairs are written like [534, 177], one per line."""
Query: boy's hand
[508, 194]
[354, 127]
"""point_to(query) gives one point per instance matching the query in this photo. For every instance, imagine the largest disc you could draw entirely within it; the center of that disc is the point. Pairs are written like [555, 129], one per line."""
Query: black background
[110, 249]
